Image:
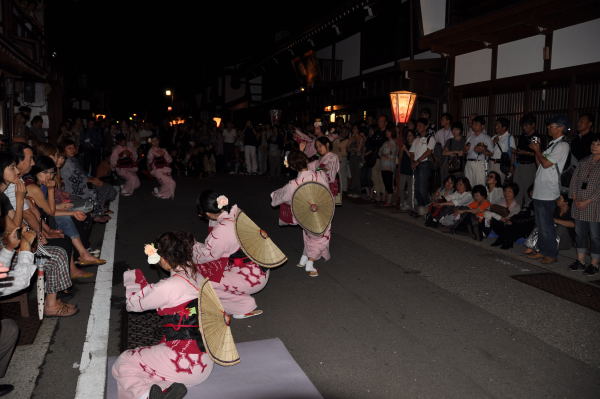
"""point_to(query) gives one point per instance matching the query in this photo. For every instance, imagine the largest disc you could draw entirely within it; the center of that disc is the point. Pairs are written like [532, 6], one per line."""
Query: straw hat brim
[313, 207]
[214, 327]
[256, 243]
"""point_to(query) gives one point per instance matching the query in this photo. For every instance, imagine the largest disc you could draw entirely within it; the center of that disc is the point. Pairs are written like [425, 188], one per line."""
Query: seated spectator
[472, 214]
[439, 196]
[42, 192]
[76, 184]
[459, 198]
[501, 212]
[585, 193]
[123, 161]
[517, 226]
[494, 188]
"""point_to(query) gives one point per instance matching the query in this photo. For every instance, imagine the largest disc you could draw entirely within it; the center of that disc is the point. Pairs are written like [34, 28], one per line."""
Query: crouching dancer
[179, 360]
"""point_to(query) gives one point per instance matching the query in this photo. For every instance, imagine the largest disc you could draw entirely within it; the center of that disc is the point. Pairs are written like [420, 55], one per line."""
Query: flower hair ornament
[222, 201]
[152, 253]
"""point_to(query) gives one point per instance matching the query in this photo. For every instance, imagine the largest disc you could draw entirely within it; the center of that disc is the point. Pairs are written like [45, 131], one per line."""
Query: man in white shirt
[546, 188]
[503, 142]
[445, 133]
[479, 146]
[230, 136]
[420, 156]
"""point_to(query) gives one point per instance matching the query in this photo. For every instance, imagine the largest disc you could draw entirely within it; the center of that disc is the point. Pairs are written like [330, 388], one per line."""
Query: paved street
[399, 311]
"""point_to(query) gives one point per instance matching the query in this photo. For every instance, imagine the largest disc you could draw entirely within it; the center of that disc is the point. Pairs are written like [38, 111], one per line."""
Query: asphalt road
[399, 311]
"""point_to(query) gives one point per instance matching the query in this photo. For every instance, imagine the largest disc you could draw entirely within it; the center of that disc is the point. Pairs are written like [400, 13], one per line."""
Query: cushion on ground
[266, 371]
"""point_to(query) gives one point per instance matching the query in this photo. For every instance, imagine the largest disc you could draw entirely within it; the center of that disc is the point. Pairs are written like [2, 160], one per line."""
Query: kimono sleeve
[141, 296]
[283, 195]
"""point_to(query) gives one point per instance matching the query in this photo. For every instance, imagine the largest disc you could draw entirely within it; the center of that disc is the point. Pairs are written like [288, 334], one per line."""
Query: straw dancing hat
[214, 327]
[313, 207]
[256, 244]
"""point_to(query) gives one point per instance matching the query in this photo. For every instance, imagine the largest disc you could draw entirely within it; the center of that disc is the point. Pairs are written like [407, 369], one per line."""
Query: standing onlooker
[420, 154]
[581, 144]
[405, 182]
[441, 138]
[501, 161]
[585, 192]
[525, 166]
[479, 147]
[229, 139]
[250, 144]
[546, 188]
[262, 148]
[453, 163]
[340, 148]
[355, 150]
[375, 142]
[275, 140]
[388, 153]
[37, 131]
[91, 144]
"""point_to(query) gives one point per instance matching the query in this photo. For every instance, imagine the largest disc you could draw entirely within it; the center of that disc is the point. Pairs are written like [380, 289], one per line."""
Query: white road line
[92, 378]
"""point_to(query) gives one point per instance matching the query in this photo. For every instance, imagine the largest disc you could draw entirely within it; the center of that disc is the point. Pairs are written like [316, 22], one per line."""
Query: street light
[168, 92]
[402, 105]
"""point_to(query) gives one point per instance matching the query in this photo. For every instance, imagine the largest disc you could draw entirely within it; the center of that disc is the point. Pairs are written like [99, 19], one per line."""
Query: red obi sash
[334, 186]
[285, 214]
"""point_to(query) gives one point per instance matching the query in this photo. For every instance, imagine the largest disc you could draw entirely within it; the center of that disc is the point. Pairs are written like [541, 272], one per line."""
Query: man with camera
[546, 187]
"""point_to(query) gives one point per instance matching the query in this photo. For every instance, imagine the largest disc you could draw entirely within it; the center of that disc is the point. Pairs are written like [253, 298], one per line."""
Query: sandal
[90, 262]
[255, 312]
[63, 310]
[313, 273]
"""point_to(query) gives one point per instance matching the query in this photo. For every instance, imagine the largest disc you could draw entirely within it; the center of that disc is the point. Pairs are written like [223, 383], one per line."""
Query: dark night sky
[138, 48]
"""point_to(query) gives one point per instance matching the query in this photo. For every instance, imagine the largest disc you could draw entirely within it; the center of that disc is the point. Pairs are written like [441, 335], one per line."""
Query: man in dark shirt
[372, 145]
[582, 142]
[525, 166]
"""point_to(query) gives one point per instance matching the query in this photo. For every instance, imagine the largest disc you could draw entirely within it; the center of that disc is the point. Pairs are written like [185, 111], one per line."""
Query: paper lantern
[402, 105]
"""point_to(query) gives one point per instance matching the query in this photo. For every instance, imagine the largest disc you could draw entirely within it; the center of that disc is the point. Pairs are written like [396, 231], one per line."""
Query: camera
[535, 140]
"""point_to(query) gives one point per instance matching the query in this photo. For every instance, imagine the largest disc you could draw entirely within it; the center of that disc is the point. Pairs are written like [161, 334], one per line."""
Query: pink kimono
[159, 160]
[179, 356]
[330, 165]
[233, 275]
[122, 160]
[315, 247]
[309, 150]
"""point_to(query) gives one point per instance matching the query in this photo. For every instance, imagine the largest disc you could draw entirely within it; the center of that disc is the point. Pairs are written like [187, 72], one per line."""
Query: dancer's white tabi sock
[310, 266]
[303, 260]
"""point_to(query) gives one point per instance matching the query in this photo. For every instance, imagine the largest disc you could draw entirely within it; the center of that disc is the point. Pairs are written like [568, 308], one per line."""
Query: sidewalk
[565, 258]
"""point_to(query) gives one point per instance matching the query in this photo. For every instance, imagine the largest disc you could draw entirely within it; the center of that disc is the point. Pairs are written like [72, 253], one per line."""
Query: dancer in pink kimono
[159, 160]
[122, 160]
[315, 246]
[328, 163]
[220, 259]
[179, 360]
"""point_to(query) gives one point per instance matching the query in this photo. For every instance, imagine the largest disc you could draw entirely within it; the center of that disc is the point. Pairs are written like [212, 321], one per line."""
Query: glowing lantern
[217, 121]
[402, 105]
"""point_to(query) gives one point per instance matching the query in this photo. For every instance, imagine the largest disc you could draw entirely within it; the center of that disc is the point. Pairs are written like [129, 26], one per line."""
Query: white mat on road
[266, 371]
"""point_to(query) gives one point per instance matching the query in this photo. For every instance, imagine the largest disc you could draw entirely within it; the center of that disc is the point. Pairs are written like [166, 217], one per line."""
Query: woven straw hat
[256, 244]
[214, 327]
[313, 207]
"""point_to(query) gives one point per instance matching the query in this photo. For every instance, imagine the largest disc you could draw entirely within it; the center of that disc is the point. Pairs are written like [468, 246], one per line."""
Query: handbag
[455, 164]
[505, 158]
[500, 210]
[532, 241]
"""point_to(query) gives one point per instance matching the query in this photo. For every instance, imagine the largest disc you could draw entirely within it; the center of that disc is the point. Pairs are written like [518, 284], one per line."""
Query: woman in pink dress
[123, 161]
[315, 246]
[328, 163]
[180, 359]
[159, 160]
[219, 258]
